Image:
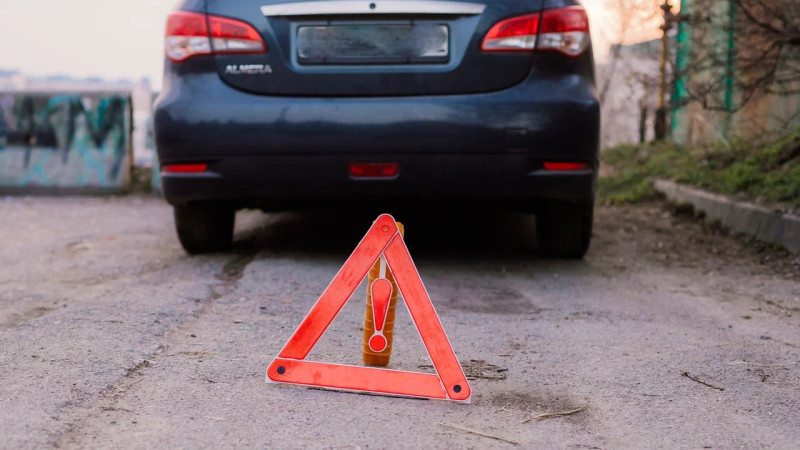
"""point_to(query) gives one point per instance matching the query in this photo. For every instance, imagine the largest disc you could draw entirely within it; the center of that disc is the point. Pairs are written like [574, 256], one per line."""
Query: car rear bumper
[297, 182]
[287, 152]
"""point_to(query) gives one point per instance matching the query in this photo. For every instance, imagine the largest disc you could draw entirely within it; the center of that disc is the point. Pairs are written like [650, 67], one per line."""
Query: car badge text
[248, 69]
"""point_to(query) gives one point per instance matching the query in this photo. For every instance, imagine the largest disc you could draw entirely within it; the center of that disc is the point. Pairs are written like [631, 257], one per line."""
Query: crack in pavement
[229, 275]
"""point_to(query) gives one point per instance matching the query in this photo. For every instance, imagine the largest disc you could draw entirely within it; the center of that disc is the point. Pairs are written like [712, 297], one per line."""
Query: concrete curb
[742, 217]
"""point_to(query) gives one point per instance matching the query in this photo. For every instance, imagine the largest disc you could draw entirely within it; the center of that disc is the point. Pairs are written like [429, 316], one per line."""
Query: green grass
[768, 169]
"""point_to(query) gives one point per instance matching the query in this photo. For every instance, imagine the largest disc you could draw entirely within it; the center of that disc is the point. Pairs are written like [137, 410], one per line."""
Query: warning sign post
[382, 240]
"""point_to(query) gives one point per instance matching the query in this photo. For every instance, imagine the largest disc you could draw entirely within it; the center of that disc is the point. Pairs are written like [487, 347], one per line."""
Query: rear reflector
[373, 170]
[565, 30]
[184, 168]
[564, 166]
[190, 34]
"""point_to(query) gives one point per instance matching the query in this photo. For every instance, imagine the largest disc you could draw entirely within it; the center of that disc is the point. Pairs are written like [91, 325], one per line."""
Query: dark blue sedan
[285, 105]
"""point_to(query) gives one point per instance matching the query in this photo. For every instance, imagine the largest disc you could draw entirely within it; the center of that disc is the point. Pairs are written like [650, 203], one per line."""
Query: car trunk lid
[372, 48]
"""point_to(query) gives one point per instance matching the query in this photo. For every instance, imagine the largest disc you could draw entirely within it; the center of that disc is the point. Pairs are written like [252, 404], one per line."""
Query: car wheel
[203, 229]
[564, 230]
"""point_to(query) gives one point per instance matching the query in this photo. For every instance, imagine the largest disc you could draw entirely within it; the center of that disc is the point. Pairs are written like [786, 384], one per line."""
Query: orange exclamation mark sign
[381, 290]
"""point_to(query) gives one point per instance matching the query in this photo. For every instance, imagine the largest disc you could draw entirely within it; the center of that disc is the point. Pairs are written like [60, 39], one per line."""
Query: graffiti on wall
[64, 140]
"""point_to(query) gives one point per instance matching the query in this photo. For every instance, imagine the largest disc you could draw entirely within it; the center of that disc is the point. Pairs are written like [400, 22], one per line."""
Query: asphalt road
[111, 336]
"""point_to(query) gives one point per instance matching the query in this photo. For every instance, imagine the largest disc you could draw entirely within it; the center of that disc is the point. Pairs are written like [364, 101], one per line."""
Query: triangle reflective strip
[425, 319]
[340, 289]
[449, 382]
[358, 379]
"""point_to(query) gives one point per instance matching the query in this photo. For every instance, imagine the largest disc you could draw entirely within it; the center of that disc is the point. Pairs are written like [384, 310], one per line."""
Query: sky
[115, 39]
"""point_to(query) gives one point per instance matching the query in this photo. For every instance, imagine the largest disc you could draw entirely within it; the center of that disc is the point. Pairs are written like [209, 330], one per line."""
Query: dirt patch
[480, 297]
[674, 238]
[476, 369]
[530, 404]
[479, 369]
[12, 318]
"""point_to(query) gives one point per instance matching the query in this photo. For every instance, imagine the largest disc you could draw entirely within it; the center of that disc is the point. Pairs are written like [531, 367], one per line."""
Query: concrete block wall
[70, 141]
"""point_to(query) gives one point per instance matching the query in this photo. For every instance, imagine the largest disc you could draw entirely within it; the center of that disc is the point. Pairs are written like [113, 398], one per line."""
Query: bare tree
[747, 47]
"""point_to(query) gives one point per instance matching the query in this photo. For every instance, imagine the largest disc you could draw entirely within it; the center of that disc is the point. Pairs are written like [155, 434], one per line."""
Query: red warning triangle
[448, 383]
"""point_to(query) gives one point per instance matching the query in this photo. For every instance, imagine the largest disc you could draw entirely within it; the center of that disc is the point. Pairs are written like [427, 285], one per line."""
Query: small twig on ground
[479, 433]
[487, 377]
[786, 310]
[193, 355]
[733, 363]
[506, 410]
[111, 408]
[554, 414]
[686, 374]
[788, 343]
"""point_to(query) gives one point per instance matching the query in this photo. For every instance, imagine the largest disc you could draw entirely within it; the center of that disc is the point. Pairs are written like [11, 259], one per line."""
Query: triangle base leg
[355, 378]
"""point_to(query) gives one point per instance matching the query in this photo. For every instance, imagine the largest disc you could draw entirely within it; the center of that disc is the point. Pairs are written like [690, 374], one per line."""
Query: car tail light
[184, 168]
[233, 36]
[190, 34]
[373, 170]
[565, 30]
[565, 166]
[517, 34]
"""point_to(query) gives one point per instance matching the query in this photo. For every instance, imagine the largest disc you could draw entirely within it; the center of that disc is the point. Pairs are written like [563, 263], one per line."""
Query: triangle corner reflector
[291, 366]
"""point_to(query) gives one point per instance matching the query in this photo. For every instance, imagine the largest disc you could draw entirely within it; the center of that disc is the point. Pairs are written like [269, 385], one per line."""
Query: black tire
[564, 230]
[204, 229]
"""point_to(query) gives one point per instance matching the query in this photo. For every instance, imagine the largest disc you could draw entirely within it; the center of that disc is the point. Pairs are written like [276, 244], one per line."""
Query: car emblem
[248, 69]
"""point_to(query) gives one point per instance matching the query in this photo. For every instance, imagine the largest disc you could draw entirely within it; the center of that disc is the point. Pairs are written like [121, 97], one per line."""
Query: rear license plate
[373, 44]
